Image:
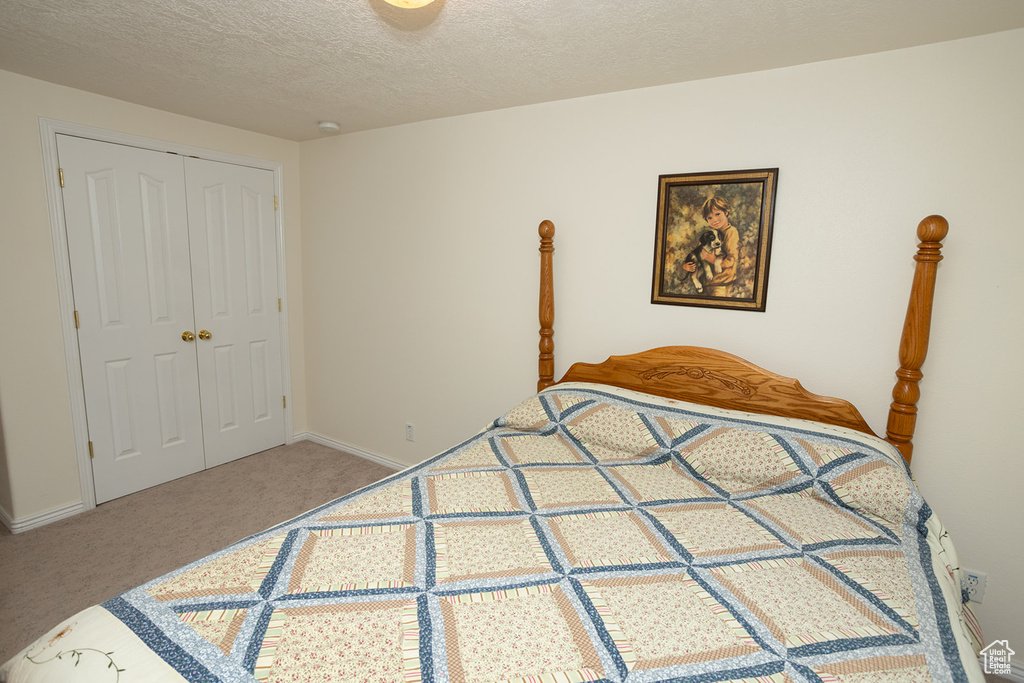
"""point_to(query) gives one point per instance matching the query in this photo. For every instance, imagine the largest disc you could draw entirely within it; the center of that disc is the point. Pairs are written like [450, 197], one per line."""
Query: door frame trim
[48, 131]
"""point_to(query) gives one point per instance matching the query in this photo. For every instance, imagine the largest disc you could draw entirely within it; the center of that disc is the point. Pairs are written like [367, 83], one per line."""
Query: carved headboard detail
[716, 378]
[727, 382]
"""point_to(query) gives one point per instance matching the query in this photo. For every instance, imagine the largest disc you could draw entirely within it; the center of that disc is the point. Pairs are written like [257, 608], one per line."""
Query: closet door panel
[128, 244]
[232, 234]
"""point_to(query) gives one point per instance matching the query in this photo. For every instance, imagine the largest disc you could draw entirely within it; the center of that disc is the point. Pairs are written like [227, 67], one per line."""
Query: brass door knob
[188, 336]
[204, 334]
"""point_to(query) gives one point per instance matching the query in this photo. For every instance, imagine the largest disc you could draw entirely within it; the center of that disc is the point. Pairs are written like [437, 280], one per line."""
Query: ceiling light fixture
[409, 4]
[329, 126]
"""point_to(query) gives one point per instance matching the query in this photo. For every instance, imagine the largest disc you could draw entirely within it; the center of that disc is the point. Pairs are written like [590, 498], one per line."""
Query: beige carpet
[48, 574]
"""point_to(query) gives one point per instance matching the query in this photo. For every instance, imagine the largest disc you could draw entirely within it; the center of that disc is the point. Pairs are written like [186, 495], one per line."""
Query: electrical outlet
[410, 433]
[974, 583]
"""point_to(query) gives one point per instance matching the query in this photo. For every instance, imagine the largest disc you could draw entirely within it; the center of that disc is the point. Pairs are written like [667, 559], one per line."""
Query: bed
[678, 514]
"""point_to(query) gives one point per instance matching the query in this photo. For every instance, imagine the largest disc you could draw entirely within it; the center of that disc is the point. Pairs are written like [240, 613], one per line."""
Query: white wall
[420, 262]
[38, 465]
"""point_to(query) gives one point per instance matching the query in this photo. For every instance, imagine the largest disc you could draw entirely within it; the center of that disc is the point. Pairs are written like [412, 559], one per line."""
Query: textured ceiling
[279, 66]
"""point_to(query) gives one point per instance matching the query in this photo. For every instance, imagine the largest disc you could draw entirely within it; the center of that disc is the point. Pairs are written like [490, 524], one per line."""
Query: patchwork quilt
[589, 534]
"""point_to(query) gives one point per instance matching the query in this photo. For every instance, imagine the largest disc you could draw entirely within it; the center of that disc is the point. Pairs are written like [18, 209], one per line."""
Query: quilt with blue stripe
[589, 534]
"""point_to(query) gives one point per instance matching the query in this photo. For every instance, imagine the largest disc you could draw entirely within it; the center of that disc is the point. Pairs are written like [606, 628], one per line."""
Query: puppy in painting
[706, 257]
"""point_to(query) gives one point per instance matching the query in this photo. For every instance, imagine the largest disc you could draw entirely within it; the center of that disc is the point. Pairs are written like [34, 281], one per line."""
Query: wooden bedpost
[914, 343]
[546, 361]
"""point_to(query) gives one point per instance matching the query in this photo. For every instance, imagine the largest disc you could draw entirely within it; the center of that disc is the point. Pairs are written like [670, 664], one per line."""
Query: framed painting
[713, 239]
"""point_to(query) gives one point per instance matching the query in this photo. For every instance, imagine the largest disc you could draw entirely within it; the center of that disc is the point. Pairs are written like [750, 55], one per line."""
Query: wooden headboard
[712, 377]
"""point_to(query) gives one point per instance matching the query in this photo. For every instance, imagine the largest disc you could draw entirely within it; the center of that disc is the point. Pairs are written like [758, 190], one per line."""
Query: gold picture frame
[713, 239]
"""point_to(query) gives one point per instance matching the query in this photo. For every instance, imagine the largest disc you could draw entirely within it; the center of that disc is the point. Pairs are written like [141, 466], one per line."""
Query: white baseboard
[348, 448]
[16, 526]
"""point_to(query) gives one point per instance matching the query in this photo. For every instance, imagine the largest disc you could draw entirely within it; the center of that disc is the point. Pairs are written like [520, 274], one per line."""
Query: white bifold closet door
[234, 290]
[174, 272]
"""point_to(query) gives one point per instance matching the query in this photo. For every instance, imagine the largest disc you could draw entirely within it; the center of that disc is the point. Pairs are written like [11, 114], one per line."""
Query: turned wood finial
[546, 360]
[916, 330]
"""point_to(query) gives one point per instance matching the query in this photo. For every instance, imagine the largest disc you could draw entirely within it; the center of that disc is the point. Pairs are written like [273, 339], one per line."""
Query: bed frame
[712, 377]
